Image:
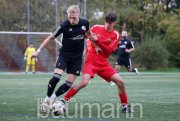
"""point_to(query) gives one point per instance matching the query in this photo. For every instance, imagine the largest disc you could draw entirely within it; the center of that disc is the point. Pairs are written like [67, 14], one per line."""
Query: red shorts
[105, 72]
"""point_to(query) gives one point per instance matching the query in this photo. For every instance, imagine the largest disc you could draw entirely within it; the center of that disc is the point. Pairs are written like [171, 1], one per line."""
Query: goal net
[14, 44]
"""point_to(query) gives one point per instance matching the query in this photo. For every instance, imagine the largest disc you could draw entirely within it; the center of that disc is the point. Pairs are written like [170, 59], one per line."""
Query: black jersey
[123, 45]
[73, 38]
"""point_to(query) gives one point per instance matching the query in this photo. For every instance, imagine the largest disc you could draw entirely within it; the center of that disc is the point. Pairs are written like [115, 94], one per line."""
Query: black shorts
[126, 61]
[72, 66]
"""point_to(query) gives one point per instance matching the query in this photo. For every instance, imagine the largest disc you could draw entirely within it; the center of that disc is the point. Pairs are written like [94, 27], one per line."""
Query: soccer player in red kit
[103, 42]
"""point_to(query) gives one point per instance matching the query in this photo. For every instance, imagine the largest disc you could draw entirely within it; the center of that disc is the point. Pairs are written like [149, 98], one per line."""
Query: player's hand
[93, 37]
[35, 54]
[127, 50]
[98, 49]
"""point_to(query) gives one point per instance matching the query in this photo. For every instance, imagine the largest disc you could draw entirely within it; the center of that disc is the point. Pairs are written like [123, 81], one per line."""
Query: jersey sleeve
[130, 45]
[87, 29]
[87, 26]
[58, 30]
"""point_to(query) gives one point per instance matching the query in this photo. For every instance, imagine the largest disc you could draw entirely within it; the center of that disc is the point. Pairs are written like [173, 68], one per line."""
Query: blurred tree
[152, 21]
[12, 15]
[152, 53]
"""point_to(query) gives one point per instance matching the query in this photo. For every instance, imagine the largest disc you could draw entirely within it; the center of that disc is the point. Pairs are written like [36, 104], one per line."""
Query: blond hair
[73, 8]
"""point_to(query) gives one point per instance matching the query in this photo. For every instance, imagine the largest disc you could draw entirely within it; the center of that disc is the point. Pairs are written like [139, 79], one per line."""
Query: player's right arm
[130, 46]
[89, 34]
[56, 33]
[43, 45]
[108, 49]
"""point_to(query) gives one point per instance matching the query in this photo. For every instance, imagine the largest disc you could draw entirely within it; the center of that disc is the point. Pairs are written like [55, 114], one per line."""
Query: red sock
[70, 94]
[123, 98]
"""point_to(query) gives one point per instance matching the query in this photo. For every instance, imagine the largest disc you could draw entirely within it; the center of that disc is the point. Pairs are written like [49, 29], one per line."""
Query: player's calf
[63, 88]
[52, 84]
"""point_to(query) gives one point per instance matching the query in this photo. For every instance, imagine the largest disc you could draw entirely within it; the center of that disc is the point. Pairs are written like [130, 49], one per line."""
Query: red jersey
[88, 44]
[107, 41]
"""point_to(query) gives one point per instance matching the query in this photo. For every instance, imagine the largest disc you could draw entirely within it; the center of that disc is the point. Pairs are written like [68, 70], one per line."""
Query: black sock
[133, 70]
[63, 88]
[52, 84]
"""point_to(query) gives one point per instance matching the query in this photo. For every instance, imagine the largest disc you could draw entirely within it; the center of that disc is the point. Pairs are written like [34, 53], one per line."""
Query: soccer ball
[58, 108]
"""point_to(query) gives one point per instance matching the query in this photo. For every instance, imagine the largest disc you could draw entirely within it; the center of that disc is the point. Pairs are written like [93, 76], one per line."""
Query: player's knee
[120, 84]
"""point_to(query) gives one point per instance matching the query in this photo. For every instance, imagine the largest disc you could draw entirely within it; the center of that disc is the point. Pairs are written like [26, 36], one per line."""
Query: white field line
[15, 79]
[123, 74]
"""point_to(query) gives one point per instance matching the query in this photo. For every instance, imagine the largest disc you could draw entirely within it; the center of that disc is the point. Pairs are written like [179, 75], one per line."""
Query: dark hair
[110, 17]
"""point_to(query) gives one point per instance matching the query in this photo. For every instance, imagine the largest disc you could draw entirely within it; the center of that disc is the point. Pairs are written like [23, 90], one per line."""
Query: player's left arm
[88, 32]
[107, 48]
[131, 47]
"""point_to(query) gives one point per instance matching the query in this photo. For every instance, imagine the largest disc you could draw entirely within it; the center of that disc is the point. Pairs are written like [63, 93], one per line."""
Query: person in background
[125, 47]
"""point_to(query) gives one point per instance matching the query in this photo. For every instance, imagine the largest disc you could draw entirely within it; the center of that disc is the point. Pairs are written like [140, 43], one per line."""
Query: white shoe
[136, 71]
[51, 102]
[44, 107]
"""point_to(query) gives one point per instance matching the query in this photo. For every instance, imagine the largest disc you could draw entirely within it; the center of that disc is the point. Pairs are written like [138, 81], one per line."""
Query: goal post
[14, 44]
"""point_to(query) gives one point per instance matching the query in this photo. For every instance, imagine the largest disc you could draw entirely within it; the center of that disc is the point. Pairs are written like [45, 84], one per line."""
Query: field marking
[123, 74]
[50, 117]
[150, 76]
[23, 73]
[22, 79]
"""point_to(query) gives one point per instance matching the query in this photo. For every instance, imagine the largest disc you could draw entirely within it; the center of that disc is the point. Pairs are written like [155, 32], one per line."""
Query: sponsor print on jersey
[78, 37]
[83, 28]
[70, 29]
[57, 29]
[122, 46]
[77, 72]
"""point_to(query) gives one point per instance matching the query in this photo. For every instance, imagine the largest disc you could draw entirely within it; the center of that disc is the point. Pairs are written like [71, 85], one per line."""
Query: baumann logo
[92, 110]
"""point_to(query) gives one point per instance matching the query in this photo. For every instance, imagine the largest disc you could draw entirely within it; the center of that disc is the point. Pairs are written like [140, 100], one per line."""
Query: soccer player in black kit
[70, 54]
[123, 56]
